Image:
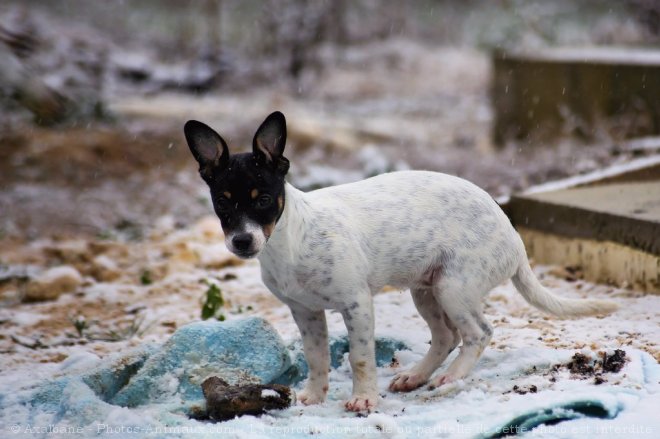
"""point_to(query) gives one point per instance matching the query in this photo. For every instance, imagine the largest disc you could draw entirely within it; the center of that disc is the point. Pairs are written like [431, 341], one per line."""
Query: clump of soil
[613, 363]
[584, 367]
[523, 390]
[580, 365]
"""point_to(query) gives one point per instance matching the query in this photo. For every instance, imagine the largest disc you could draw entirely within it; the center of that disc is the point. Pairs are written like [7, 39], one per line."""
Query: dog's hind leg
[444, 339]
[465, 312]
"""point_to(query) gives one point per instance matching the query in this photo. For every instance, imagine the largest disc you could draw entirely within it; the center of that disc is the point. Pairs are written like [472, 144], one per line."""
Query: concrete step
[607, 225]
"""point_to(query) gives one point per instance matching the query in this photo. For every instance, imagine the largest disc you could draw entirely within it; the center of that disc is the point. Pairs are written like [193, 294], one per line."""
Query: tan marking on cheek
[227, 194]
[280, 202]
[254, 193]
[268, 229]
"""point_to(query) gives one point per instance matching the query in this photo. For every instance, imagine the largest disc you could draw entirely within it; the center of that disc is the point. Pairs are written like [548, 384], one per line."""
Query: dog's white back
[392, 229]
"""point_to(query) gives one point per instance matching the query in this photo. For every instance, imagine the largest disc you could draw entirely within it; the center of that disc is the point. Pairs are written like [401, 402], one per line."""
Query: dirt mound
[583, 366]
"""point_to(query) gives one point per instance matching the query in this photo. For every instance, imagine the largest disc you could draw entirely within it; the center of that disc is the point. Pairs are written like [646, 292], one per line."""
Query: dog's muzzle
[247, 242]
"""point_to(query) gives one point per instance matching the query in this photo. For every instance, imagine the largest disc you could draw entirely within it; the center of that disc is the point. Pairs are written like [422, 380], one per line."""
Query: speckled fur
[439, 235]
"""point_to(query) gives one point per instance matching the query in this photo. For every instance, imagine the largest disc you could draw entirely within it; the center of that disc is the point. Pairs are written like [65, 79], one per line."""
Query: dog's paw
[310, 397]
[441, 380]
[407, 381]
[361, 403]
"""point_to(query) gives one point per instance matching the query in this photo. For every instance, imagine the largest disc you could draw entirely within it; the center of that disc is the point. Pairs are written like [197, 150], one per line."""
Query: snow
[610, 171]
[525, 346]
[26, 318]
[267, 393]
[624, 167]
[598, 55]
[436, 416]
[79, 362]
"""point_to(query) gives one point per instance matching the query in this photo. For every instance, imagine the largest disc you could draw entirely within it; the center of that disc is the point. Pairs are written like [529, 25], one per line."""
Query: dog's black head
[247, 189]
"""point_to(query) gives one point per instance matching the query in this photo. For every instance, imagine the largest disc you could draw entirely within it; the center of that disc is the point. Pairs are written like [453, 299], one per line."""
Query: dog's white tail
[537, 295]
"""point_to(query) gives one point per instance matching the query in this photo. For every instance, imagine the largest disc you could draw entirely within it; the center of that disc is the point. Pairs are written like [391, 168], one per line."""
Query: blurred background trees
[234, 43]
[93, 95]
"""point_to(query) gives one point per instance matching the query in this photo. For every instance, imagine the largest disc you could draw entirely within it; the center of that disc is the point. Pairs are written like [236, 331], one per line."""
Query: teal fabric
[386, 347]
[552, 415]
[171, 375]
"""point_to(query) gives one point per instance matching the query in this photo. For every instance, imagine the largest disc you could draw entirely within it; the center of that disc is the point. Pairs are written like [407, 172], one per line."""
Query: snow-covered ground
[525, 346]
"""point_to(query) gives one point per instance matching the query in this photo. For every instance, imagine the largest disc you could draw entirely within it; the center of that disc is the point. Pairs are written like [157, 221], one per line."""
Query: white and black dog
[334, 248]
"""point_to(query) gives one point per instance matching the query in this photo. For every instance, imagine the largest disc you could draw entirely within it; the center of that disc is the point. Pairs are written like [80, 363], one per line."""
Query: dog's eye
[264, 201]
[223, 204]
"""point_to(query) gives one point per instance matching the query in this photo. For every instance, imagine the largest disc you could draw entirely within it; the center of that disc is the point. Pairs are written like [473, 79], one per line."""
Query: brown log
[224, 401]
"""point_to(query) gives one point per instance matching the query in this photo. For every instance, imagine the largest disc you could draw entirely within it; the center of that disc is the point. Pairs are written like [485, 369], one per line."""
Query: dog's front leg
[359, 320]
[314, 332]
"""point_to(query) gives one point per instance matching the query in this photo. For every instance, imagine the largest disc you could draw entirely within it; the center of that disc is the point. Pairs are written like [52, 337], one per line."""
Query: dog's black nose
[242, 241]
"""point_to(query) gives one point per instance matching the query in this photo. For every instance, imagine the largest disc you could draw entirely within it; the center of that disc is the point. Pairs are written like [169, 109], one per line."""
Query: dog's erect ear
[269, 141]
[208, 148]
